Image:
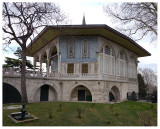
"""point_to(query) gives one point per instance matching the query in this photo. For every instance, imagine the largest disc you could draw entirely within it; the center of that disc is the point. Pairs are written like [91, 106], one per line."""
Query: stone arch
[47, 90]
[114, 94]
[52, 50]
[36, 57]
[80, 93]
[10, 94]
[43, 56]
[14, 82]
[80, 83]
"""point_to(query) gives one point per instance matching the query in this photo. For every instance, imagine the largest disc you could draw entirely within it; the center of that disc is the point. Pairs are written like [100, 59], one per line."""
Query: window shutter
[84, 68]
[70, 68]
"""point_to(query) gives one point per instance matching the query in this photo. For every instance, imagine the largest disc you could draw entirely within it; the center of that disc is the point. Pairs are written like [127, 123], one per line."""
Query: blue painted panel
[93, 48]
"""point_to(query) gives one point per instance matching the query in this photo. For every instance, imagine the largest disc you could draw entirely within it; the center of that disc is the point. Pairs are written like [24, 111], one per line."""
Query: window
[84, 68]
[107, 50]
[85, 49]
[132, 72]
[70, 51]
[122, 56]
[101, 50]
[70, 68]
[121, 64]
[107, 60]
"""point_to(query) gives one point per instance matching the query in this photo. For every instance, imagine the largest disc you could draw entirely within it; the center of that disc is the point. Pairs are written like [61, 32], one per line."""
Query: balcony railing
[76, 76]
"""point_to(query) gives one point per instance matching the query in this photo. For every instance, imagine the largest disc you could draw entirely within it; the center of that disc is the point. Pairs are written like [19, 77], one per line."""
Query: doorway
[44, 93]
[81, 95]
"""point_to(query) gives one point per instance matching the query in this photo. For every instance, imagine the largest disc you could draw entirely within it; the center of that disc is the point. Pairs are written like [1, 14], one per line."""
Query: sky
[94, 14]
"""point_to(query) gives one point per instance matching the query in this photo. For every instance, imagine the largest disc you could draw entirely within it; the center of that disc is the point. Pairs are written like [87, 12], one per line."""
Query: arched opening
[81, 93]
[45, 93]
[10, 94]
[114, 94]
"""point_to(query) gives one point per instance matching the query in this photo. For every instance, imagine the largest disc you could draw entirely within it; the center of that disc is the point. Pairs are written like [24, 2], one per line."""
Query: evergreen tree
[141, 84]
[16, 63]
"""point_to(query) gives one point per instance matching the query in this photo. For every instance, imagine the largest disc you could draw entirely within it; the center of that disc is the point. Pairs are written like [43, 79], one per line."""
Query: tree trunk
[24, 98]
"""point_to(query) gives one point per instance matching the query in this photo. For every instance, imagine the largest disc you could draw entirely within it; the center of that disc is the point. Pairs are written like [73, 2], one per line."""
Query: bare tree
[21, 21]
[137, 20]
[150, 78]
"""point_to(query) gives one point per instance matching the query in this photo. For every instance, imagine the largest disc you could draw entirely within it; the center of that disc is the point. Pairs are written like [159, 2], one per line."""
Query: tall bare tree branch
[20, 22]
[137, 20]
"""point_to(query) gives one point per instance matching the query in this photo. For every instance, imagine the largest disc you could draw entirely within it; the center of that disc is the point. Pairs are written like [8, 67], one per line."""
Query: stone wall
[61, 90]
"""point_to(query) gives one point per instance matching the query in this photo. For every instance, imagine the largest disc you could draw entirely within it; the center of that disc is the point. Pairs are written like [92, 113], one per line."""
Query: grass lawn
[66, 114]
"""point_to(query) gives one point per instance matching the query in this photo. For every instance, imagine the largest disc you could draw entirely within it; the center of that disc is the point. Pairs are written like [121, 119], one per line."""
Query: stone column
[126, 69]
[98, 57]
[40, 61]
[60, 91]
[116, 67]
[47, 62]
[59, 60]
[34, 65]
[47, 65]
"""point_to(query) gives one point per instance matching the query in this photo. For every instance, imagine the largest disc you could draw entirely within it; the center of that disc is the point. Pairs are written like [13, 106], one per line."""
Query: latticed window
[84, 68]
[132, 60]
[70, 51]
[70, 68]
[132, 72]
[107, 50]
[122, 56]
[107, 60]
[101, 50]
[121, 64]
[85, 49]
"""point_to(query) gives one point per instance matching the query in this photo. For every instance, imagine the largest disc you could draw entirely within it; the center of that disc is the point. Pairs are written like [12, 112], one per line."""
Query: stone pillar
[60, 91]
[34, 65]
[116, 67]
[59, 61]
[47, 66]
[47, 62]
[98, 57]
[40, 61]
[126, 69]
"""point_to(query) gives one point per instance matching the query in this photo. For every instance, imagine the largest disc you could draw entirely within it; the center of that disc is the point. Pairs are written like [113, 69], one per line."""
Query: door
[81, 95]
[111, 96]
[44, 93]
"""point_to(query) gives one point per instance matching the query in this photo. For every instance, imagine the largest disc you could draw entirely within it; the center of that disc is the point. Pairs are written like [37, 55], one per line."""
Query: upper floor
[85, 52]
[84, 57]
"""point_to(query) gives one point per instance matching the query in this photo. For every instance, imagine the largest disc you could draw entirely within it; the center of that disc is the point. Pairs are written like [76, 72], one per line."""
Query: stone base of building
[73, 90]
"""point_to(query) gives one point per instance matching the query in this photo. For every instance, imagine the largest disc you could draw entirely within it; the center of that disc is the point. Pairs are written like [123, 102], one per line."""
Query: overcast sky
[94, 14]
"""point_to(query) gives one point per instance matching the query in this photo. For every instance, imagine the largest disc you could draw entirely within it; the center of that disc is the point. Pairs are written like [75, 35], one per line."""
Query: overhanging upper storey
[49, 33]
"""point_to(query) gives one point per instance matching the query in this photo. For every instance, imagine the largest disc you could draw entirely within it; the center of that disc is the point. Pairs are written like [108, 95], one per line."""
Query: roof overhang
[49, 33]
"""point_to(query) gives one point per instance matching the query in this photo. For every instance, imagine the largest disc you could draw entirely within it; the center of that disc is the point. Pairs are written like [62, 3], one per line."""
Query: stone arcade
[83, 63]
